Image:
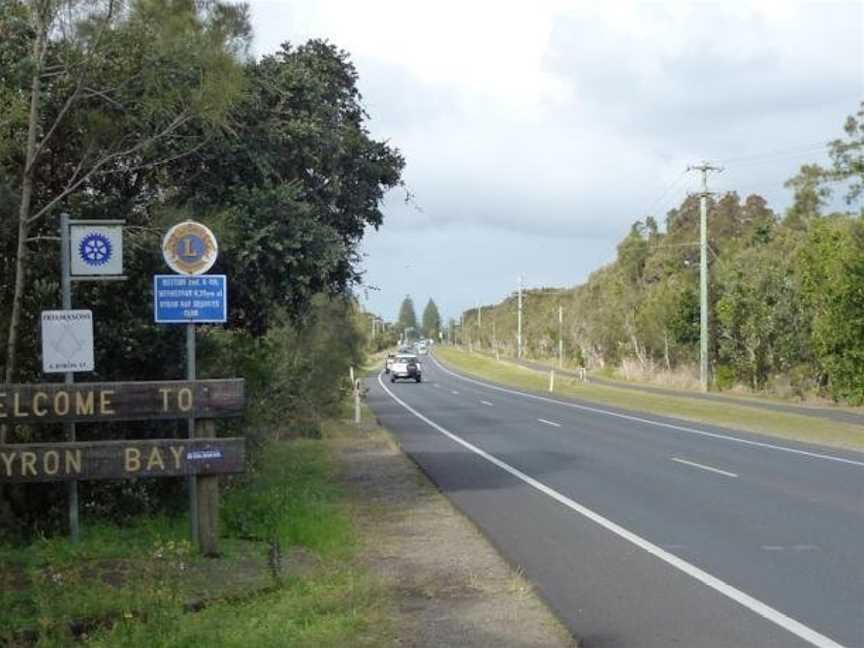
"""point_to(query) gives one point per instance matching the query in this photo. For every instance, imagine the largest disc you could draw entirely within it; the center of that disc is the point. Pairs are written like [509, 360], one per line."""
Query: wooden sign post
[201, 459]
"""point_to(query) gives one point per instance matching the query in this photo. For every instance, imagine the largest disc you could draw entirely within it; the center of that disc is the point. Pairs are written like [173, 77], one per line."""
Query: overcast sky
[535, 133]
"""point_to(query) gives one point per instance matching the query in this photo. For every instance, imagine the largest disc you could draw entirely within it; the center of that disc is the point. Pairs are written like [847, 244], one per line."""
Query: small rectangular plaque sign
[182, 299]
[67, 341]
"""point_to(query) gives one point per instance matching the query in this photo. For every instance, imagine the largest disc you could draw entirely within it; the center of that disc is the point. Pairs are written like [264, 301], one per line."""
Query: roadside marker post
[357, 401]
[552, 380]
[98, 257]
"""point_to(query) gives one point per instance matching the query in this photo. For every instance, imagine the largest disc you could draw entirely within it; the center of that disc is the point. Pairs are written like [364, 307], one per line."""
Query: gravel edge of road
[450, 586]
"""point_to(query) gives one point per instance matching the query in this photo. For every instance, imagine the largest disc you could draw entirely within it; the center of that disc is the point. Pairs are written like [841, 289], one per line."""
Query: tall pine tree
[407, 316]
[431, 320]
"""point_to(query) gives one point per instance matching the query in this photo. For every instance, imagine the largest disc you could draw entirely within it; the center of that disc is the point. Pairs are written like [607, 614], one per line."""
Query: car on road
[407, 367]
[421, 348]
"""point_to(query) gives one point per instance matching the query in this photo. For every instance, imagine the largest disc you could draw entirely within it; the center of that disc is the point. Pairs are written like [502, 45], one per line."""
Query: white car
[406, 366]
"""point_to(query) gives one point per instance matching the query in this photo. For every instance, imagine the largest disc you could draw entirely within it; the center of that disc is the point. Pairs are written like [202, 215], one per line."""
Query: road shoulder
[778, 425]
[452, 588]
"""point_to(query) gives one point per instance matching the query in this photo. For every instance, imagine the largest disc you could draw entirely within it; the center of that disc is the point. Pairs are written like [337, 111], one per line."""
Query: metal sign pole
[68, 377]
[192, 480]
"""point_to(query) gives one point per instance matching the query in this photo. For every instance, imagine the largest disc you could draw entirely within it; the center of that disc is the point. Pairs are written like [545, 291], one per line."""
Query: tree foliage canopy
[407, 316]
[431, 320]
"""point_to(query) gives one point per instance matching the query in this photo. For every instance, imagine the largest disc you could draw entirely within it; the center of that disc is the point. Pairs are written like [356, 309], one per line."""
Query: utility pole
[479, 326]
[560, 336]
[519, 323]
[494, 336]
[704, 371]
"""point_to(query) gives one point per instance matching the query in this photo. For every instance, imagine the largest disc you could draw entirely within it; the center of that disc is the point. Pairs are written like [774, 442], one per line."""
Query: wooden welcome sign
[121, 401]
[44, 462]
[204, 456]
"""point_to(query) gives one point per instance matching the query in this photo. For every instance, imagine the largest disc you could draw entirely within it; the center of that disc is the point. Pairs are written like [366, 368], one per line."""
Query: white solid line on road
[639, 419]
[486, 403]
[552, 423]
[703, 467]
[762, 609]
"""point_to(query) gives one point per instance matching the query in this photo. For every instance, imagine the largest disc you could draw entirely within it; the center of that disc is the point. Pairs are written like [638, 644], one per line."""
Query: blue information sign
[182, 299]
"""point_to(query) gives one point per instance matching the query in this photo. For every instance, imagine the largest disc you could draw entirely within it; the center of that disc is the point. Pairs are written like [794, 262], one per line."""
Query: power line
[667, 190]
[791, 152]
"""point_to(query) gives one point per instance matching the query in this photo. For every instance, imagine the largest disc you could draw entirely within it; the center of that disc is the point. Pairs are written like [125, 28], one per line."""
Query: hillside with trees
[786, 305]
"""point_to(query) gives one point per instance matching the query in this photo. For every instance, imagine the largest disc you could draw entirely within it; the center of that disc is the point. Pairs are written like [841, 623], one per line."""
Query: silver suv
[407, 367]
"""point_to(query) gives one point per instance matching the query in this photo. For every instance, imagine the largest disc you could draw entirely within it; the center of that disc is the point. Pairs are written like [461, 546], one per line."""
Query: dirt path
[451, 587]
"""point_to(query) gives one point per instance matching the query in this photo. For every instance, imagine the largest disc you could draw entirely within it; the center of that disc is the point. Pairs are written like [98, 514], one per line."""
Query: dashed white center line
[755, 605]
[454, 392]
[486, 403]
[437, 385]
[552, 423]
[703, 467]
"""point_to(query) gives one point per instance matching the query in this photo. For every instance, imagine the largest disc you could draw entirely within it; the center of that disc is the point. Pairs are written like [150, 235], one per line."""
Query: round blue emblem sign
[190, 248]
[95, 249]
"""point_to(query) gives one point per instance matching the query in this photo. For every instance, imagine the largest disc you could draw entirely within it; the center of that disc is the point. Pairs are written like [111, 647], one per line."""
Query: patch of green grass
[291, 499]
[778, 424]
[129, 585]
[336, 608]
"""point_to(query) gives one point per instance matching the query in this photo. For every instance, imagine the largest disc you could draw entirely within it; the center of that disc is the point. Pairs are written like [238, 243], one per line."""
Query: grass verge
[132, 586]
[787, 426]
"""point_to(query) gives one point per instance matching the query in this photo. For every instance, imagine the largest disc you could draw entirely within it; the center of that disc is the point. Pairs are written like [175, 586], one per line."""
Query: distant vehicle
[421, 348]
[388, 362]
[406, 366]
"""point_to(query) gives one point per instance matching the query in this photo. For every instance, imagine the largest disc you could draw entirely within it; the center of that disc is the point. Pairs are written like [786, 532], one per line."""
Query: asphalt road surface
[644, 531]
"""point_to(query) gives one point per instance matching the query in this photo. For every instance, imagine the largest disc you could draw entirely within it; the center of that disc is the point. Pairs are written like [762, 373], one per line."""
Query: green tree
[847, 156]
[832, 263]
[810, 196]
[295, 184]
[407, 319]
[99, 107]
[431, 320]
[763, 322]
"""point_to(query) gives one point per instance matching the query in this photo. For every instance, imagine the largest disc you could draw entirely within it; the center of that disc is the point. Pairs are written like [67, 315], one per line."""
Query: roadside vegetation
[274, 156]
[287, 576]
[782, 425]
[272, 153]
[785, 300]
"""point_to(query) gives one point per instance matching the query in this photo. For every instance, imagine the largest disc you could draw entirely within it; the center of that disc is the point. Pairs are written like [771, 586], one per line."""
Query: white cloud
[572, 118]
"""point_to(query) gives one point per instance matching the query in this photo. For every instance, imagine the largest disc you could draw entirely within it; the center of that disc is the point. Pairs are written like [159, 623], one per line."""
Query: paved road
[641, 530]
[831, 414]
